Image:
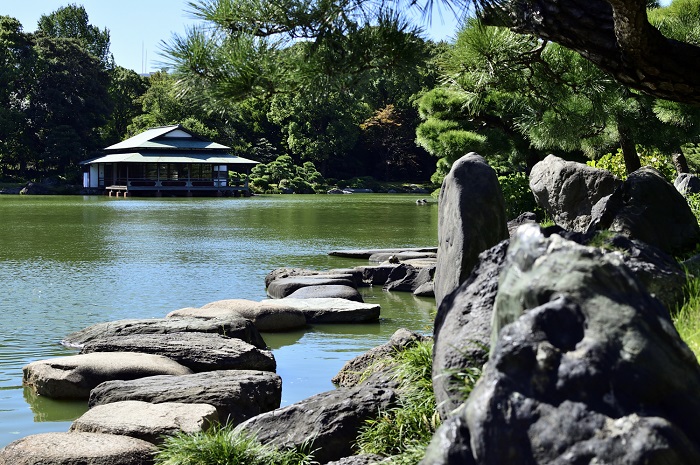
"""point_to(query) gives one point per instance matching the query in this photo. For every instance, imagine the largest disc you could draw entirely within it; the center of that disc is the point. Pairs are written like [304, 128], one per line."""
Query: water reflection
[46, 409]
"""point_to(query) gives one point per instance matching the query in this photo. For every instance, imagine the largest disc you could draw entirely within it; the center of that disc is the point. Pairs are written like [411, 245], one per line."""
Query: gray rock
[77, 449]
[147, 421]
[366, 253]
[327, 423]
[330, 310]
[523, 218]
[472, 218]
[349, 273]
[567, 190]
[196, 351]
[462, 329]
[351, 373]
[231, 326]
[334, 291]
[648, 208]
[401, 256]
[283, 287]
[267, 316]
[687, 183]
[408, 278]
[73, 377]
[377, 274]
[587, 367]
[425, 290]
[364, 459]
[236, 394]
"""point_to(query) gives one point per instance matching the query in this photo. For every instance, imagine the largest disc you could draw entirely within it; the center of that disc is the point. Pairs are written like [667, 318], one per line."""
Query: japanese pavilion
[168, 160]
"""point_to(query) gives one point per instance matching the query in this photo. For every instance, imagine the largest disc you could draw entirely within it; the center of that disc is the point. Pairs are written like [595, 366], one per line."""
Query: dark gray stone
[408, 278]
[283, 287]
[364, 459]
[236, 394]
[463, 328]
[366, 253]
[472, 218]
[687, 183]
[332, 290]
[377, 275]
[197, 351]
[648, 208]
[232, 326]
[351, 373]
[523, 218]
[279, 273]
[77, 449]
[425, 290]
[401, 256]
[587, 367]
[323, 310]
[567, 190]
[327, 423]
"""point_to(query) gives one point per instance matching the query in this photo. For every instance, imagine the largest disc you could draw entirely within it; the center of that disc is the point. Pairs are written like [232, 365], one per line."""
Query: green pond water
[70, 262]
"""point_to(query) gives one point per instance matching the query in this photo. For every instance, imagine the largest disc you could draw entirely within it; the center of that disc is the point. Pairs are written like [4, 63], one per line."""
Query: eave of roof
[154, 138]
[170, 157]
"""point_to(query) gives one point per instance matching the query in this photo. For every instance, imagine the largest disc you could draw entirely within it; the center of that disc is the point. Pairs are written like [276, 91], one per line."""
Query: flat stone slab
[283, 287]
[236, 394]
[401, 256]
[230, 325]
[335, 291]
[278, 273]
[77, 448]
[265, 316]
[73, 377]
[331, 310]
[147, 421]
[196, 351]
[366, 253]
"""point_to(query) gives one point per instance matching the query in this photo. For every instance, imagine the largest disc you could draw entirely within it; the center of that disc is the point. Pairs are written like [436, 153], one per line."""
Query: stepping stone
[143, 420]
[383, 256]
[265, 317]
[77, 448]
[358, 253]
[230, 325]
[196, 351]
[74, 376]
[334, 291]
[283, 287]
[236, 394]
[331, 310]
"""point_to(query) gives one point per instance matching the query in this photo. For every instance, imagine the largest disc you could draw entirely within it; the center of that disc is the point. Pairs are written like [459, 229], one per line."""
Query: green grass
[222, 446]
[686, 319]
[402, 433]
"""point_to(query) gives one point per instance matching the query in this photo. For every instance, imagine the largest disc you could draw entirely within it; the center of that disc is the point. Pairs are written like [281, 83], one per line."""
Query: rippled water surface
[69, 262]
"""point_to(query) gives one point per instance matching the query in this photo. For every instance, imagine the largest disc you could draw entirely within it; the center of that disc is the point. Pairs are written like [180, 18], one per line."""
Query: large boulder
[327, 423]
[408, 278]
[587, 368]
[283, 287]
[73, 377]
[462, 329]
[147, 421]
[197, 351]
[330, 310]
[267, 316]
[332, 291]
[472, 218]
[231, 325]
[567, 190]
[648, 208]
[236, 394]
[351, 373]
[77, 449]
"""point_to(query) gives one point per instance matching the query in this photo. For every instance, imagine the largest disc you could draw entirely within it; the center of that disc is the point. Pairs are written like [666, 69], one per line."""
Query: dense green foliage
[616, 165]
[221, 445]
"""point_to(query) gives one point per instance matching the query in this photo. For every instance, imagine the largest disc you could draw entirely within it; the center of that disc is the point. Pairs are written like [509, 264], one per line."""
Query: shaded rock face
[648, 208]
[236, 394]
[328, 423]
[472, 218]
[587, 368]
[351, 373]
[74, 376]
[463, 328]
[77, 449]
[197, 351]
[231, 326]
[567, 190]
[408, 278]
[143, 420]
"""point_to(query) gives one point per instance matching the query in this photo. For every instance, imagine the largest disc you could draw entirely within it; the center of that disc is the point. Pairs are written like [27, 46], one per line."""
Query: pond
[70, 262]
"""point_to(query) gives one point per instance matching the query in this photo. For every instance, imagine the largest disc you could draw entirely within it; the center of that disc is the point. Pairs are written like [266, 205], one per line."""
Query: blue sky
[137, 27]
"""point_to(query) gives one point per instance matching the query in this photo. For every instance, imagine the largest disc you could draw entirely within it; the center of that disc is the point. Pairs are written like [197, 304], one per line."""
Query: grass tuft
[686, 319]
[223, 446]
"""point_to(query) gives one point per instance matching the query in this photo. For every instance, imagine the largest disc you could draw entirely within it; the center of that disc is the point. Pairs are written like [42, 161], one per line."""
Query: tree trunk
[679, 162]
[629, 150]
[616, 36]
